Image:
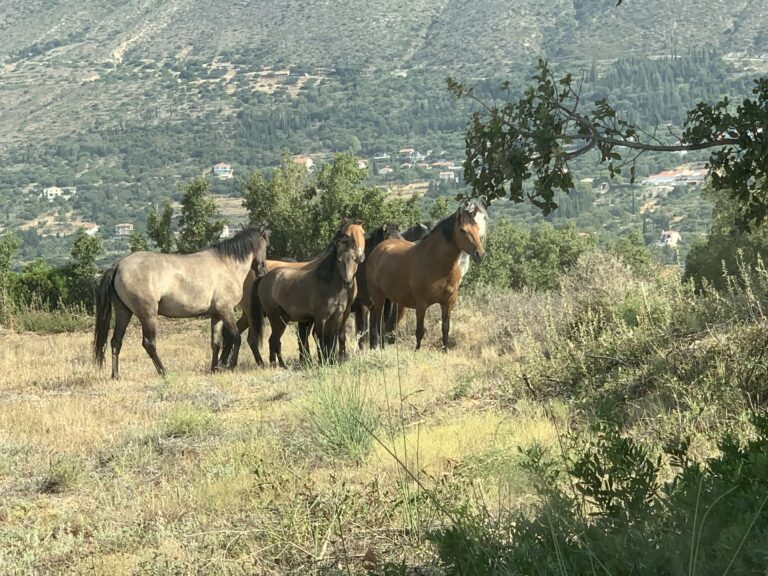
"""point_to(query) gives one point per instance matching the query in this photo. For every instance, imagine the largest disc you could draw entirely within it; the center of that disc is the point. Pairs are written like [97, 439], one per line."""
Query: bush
[604, 507]
[339, 418]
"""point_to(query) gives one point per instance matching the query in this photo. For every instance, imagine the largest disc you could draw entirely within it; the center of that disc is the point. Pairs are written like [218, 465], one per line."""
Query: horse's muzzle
[261, 270]
[478, 256]
[349, 285]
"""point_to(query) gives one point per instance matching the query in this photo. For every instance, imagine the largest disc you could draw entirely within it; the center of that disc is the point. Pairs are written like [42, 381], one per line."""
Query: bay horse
[349, 227]
[205, 283]
[316, 296]
[362, 302]
[421, 274]
[393, 314]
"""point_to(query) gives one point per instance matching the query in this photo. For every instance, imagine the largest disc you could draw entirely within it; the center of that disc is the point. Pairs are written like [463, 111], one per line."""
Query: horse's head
[417, 231]
[383, 232]
[346, 260]
[259, 262]
[354, 229]
[467, 233]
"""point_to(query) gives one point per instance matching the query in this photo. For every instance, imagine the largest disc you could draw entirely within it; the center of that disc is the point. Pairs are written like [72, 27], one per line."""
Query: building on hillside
[362, 164]
[52, 192]
[407, 152]
[447, 176]
[222, 171]
[305, 161]
[669, 238]
[123, 230]
[381, 156]
[90, 228]
[386, 170]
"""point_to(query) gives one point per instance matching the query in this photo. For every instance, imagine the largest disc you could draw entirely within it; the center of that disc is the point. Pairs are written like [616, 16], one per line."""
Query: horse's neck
[443, 253]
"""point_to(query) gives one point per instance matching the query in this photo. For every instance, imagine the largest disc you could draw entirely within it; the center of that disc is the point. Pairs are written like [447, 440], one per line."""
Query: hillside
[126, 99]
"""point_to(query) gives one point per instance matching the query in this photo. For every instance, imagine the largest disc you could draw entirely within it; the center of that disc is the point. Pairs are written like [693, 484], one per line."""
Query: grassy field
[305, 471]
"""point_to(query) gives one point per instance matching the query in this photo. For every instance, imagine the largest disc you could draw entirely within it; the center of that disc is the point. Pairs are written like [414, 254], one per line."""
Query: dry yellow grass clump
[251, 471]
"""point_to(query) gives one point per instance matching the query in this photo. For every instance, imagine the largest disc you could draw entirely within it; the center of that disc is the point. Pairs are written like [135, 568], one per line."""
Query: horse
[349, 227]
[319, 295]
[362, 303]
[205, 283]
[394, 314]
[419, 275]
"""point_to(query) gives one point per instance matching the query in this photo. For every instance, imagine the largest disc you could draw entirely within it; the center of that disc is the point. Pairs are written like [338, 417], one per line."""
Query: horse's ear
[474, 211]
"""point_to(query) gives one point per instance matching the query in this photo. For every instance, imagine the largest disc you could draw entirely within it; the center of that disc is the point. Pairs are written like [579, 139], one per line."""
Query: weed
[63, 474]
[339, 416]
[187, 421]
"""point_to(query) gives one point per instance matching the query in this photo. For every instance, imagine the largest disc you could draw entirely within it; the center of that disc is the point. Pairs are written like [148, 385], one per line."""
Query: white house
[90, 228]
[669, 238]
[123, 230]
[52, 192]
[222, 171]
[447, 176]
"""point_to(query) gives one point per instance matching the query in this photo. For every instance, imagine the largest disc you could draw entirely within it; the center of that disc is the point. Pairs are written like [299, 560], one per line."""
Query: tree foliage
[522, 149]
[159, 228]
[304, 210]
[197, 227]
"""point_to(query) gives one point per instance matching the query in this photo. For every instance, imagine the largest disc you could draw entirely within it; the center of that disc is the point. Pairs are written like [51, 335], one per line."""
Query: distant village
[381, 164]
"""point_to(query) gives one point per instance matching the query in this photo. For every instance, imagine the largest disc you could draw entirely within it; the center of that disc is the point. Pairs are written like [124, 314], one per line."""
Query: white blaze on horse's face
[468, 234]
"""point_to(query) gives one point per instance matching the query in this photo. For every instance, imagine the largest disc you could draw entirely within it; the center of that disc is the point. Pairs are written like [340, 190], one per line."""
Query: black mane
[446, 227]
[241, 245]
[327, 265]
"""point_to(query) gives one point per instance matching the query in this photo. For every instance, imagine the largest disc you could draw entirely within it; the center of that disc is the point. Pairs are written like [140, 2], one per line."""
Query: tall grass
[339, 414]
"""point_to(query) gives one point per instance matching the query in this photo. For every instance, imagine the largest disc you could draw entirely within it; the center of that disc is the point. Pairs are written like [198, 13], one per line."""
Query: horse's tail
[104, 294]
[256, 319]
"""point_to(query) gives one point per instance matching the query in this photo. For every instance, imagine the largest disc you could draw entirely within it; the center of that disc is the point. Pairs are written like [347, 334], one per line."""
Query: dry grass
[218, 474]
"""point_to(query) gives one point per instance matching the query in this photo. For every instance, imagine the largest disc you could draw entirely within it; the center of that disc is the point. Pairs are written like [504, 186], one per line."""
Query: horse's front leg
[421, 311]
[333, 329]
[217, 325]
[361, 324]
[232, 336]
[304, 329]
[445, 310]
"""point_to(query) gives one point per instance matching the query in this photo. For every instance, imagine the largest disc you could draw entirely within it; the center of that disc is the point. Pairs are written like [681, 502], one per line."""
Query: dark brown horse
[362, 303]
[205, 283]
[421, 274]
[350, 228]
[316, 296]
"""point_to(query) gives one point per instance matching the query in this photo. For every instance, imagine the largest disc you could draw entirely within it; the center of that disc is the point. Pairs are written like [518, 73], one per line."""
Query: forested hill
[124, 99]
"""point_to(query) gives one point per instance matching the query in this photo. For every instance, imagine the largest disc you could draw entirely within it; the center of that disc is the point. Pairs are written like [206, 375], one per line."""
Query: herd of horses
[375, 277]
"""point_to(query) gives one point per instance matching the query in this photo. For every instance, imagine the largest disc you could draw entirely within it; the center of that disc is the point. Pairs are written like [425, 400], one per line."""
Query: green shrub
[339, 417]
[606, 507]
[187, 421]
[63, 474]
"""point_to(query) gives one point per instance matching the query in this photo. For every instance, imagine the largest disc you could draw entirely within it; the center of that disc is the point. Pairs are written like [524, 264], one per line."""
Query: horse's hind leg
[122, 318]
[148, 336]
[421, 312]
[275, 346]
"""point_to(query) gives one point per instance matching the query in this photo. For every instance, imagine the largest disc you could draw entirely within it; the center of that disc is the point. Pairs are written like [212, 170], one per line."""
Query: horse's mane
[445, 226]
[241, 245]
